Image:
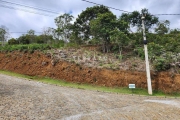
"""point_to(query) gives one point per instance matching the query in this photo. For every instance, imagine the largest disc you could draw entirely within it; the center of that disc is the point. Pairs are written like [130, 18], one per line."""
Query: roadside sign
[132, 86]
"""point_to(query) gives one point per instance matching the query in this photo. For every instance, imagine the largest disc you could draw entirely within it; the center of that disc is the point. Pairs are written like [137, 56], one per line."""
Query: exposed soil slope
[39, 64]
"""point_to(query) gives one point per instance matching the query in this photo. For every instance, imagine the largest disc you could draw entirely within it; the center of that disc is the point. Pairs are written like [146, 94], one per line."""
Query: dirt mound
[39, 64]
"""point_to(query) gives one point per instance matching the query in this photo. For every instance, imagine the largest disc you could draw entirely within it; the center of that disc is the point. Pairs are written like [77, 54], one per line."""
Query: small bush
[58, 44]
[161, 64]
[140, 52]
[12, 41]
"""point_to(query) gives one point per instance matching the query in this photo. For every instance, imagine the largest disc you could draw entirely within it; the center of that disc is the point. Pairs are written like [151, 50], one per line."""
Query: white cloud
[19, 21]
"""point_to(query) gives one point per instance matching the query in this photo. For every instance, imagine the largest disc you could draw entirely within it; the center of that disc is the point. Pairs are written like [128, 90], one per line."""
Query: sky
[17, 20]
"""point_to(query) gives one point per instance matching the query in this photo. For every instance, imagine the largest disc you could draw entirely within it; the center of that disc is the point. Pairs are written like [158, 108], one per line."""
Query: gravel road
[21, 99]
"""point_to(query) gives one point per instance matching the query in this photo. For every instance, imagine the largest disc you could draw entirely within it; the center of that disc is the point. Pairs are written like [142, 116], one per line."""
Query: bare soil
[40, 64]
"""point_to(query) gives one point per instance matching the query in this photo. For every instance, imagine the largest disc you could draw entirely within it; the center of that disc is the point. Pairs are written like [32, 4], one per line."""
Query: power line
[166, 14]
[41, 9]
[106, 6]
[10, 7]
[124, 10]
[50, 11]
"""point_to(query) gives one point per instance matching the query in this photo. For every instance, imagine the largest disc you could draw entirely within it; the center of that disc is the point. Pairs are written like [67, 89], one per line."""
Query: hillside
[80, 66]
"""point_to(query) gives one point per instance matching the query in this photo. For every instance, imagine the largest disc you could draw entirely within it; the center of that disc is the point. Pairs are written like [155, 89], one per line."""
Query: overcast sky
[20, 21]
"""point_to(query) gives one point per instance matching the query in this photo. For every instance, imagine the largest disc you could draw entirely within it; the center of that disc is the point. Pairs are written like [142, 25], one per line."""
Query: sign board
[132, 86]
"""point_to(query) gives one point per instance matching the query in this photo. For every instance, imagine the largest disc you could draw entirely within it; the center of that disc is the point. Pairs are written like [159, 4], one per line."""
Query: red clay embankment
[38, 64]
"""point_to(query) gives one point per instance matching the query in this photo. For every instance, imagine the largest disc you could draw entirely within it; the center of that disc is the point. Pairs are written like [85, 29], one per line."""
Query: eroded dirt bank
[38, 64]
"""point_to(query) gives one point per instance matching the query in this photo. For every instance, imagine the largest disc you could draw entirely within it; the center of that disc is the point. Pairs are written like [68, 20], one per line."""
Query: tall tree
[101, 28]
[47, 32]
[63, 22]
[12, 41]
[31, 34]
[175, 31]
[134, 19]
[162, 27]
[24, 39]
[75, 37]
[119, 38]
[4, 34]
[82, 23]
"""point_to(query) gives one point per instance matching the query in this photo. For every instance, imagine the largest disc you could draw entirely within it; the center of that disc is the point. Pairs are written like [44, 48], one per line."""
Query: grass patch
[122, 90]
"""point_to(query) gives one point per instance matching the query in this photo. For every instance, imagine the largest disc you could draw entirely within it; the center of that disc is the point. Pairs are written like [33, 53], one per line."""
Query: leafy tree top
[82, 23]
[134, 19]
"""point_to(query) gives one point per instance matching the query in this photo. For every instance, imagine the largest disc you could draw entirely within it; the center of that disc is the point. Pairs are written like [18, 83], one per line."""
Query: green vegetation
[137, 91]
[27, 47]
[99, 26]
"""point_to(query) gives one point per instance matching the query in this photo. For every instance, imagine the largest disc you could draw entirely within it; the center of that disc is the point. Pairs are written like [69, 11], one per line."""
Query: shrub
[161, 64]
[12, 41]
[140, 52]
[58, 44]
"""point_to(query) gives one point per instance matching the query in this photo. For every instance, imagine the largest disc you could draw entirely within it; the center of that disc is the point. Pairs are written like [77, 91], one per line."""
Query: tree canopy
[4, 34]
[63, 23]
[82, 23]
[134, 19]
[162, 27]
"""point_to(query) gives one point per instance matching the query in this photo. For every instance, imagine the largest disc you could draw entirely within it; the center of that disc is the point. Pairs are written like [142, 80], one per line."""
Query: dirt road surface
[22, 99]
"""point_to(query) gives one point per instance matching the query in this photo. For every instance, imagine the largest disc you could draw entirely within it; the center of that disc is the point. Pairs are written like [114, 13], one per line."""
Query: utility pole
[146, 58]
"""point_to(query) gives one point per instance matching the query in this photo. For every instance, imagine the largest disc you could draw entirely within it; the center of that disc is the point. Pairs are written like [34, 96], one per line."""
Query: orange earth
[39, 64]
